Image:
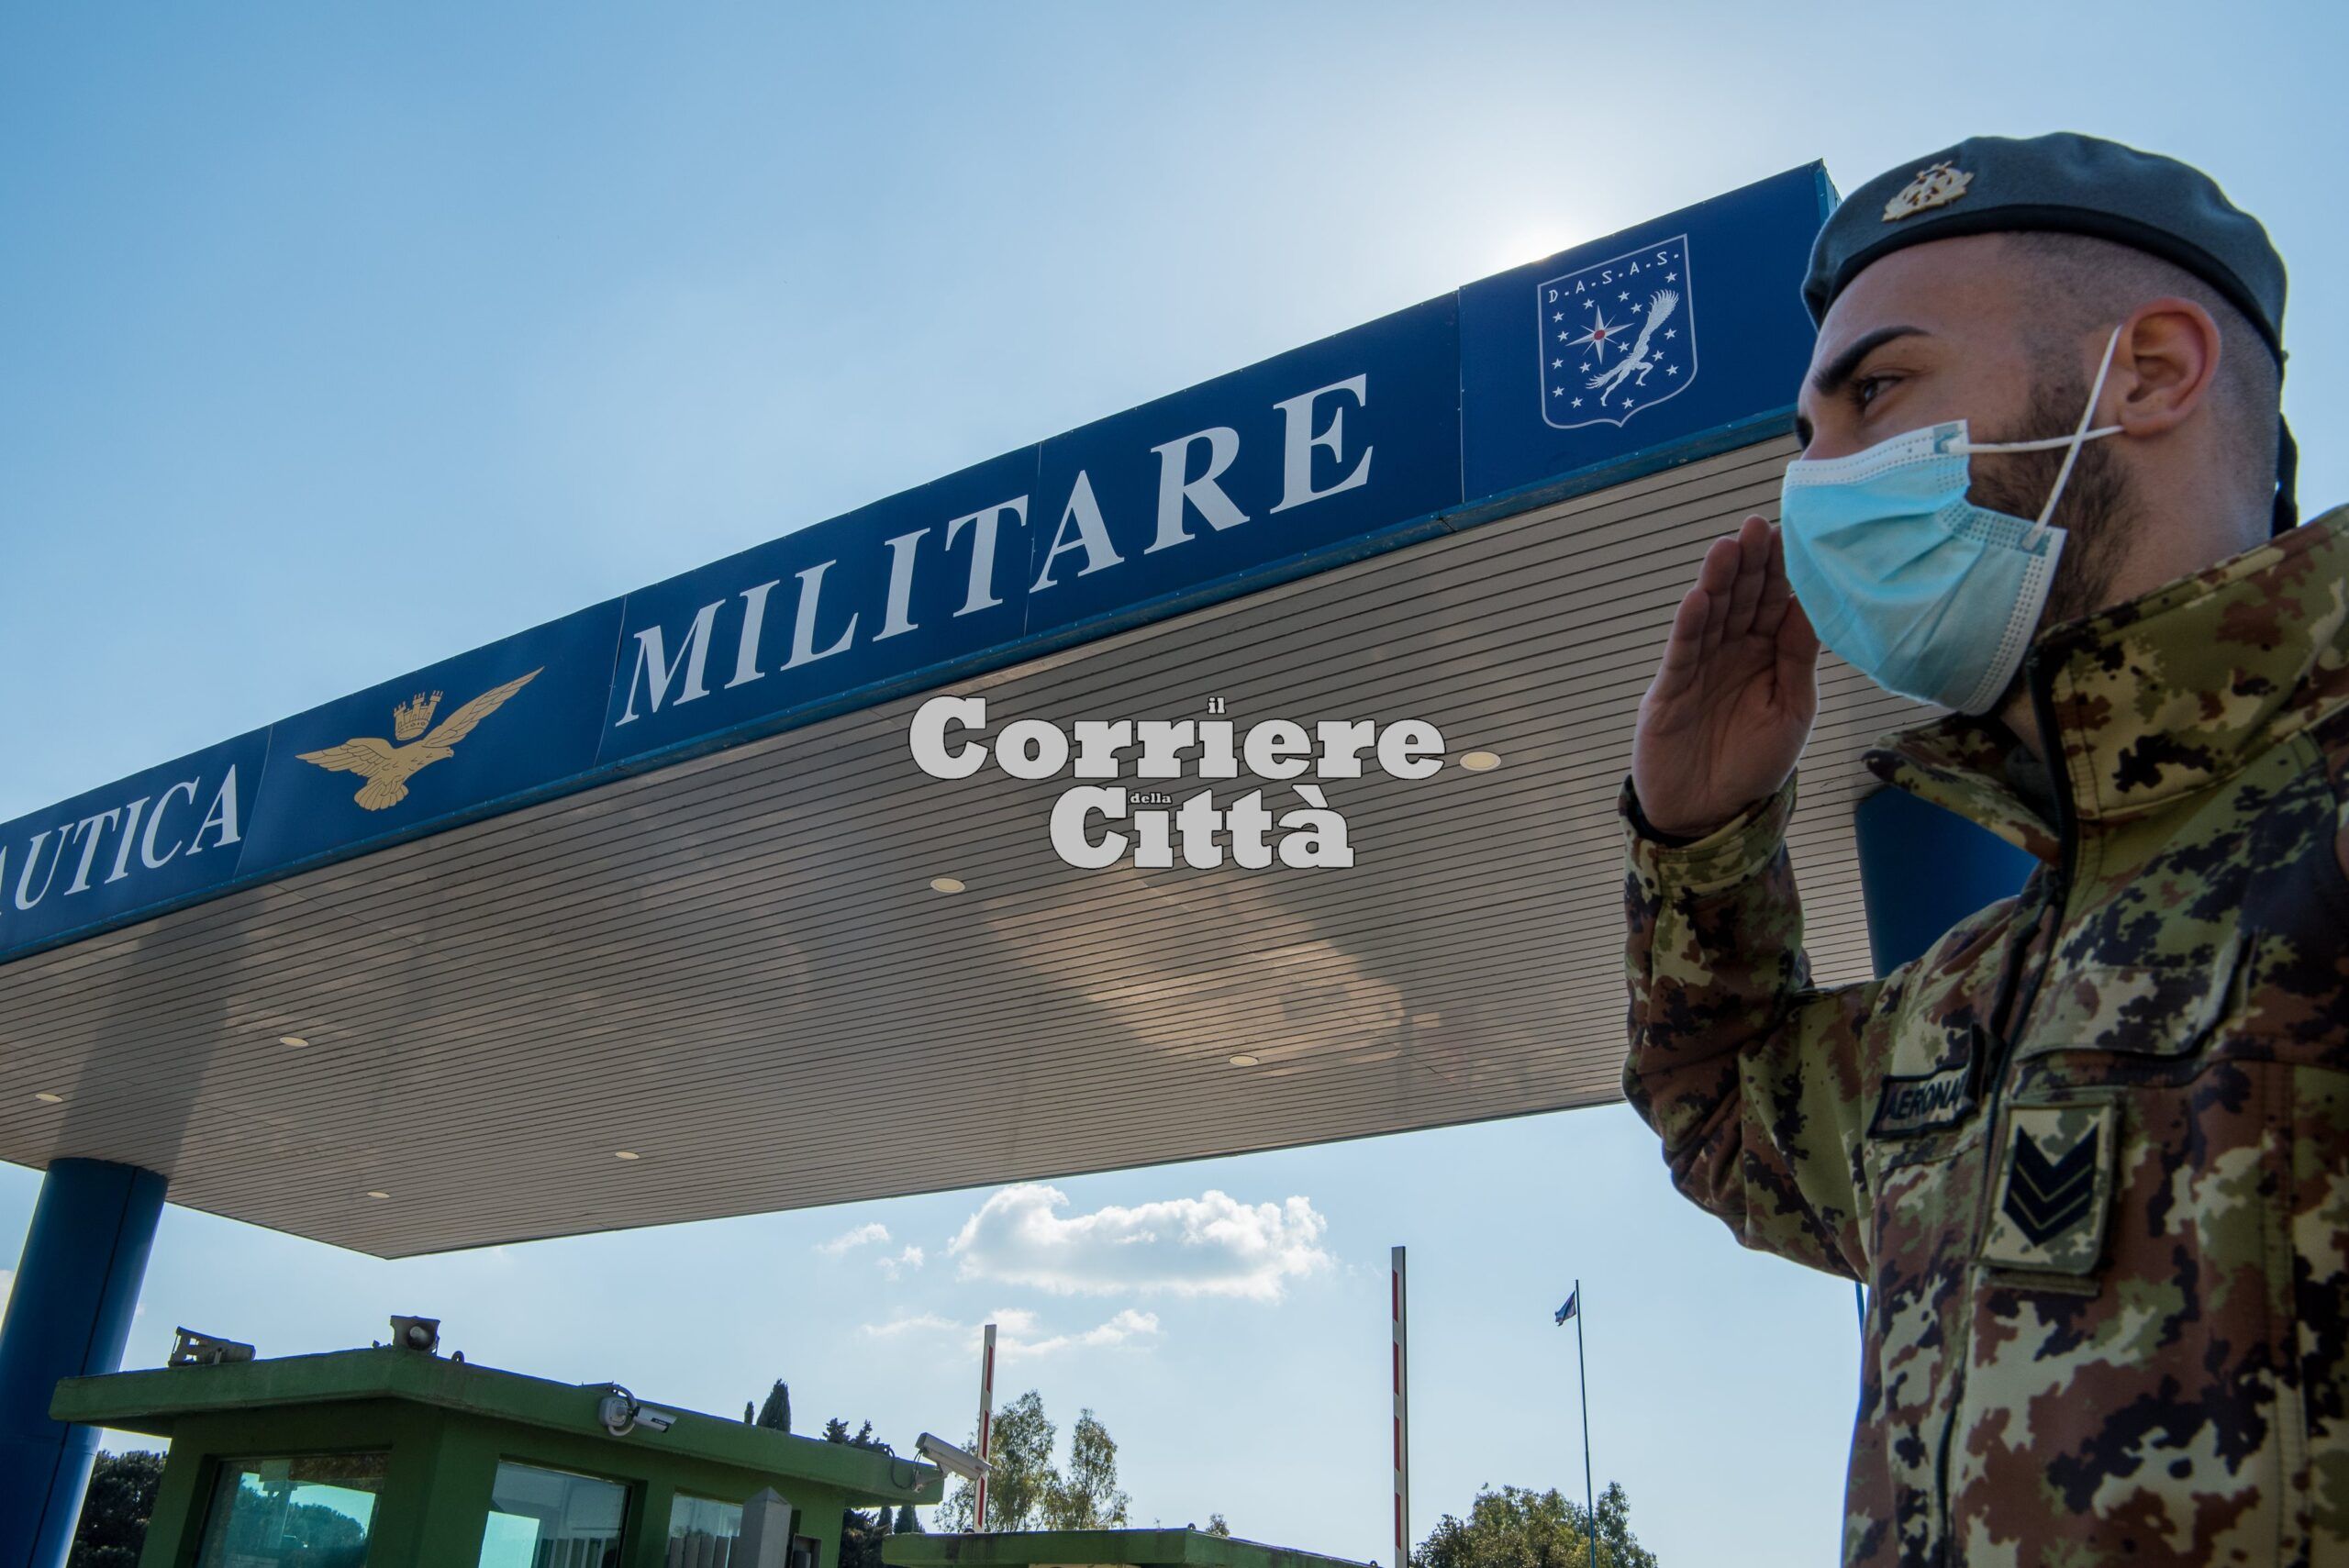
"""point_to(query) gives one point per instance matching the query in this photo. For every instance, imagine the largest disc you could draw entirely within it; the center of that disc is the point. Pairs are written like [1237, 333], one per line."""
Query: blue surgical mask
[1923, 592]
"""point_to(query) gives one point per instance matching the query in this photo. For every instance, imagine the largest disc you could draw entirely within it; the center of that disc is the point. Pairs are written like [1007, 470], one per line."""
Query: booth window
[300, 1511]
[702, 1532]
[551, 1519]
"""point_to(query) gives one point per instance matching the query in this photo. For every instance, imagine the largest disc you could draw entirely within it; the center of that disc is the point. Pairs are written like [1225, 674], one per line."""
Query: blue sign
[1578, 371]
[453, 741]
[1591, 358]
[1276, 463]
[1212, 490]
[171, 835]
[849, 609]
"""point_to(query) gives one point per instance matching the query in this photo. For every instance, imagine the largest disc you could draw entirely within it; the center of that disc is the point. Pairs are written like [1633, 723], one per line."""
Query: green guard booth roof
[446, 1424]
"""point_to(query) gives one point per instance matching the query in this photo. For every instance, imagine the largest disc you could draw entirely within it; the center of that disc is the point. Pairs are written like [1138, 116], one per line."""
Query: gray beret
[2063, 184]
[2067, 183]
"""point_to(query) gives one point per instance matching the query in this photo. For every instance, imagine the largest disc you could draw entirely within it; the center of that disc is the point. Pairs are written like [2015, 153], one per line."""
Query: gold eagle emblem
[1937, 186]
[386, 767]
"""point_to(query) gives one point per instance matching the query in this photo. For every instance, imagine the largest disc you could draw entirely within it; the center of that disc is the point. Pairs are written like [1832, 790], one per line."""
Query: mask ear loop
[2077, 439]
[2080, 438]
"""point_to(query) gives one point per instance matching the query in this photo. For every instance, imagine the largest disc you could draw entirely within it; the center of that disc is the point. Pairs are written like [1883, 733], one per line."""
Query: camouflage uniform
[2090, 1152]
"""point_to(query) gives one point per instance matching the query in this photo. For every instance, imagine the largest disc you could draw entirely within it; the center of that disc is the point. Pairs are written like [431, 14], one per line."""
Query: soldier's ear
[2163, 367]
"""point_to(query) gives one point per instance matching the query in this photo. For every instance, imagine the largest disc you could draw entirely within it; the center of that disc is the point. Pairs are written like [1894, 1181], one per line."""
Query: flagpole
[1582, 1375]
[1402, 1319]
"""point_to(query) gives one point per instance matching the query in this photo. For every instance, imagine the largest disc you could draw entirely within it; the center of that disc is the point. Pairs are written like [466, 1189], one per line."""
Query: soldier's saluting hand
[1737, 692]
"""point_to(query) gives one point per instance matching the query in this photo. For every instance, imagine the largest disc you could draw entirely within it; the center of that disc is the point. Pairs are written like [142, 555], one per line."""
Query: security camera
[946, 1456]
[192, 1349]
[416, 1333]
[621, 1413]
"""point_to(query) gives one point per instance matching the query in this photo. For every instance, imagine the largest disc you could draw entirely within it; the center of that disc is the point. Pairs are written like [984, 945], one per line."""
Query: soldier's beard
[2095, 513]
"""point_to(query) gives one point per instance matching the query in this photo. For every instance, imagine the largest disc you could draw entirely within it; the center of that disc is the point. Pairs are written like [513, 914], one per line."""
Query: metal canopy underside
[735, 967]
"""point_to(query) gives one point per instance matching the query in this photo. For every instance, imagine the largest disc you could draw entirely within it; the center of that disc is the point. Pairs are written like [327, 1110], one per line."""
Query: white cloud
[911, 1258]
[1211, 1245]
[1019, 1333]
[1126, 1325]
[848, 1240]
[924, 1323]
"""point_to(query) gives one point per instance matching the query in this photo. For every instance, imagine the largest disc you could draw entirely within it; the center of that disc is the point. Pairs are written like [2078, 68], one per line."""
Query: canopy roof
[703, 932]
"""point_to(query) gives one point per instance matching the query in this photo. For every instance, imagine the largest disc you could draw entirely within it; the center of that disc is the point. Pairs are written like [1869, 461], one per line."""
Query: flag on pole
[1573, 1309]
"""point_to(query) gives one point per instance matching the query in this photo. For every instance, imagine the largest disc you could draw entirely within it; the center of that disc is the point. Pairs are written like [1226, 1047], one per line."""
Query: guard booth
[393, 1457]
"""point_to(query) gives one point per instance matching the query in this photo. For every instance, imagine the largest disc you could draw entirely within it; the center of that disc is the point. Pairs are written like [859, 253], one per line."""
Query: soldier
[2090, 1151]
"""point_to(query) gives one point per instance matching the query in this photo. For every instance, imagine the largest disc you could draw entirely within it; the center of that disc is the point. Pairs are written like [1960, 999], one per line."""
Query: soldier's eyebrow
[1829, 381]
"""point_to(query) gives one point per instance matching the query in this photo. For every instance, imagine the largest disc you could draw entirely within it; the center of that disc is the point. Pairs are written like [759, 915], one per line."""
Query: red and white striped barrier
[986, 1419]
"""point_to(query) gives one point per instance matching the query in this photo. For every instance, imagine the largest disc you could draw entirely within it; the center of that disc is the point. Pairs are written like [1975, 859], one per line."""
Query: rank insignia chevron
[2056, 1186]
[2046, 1198]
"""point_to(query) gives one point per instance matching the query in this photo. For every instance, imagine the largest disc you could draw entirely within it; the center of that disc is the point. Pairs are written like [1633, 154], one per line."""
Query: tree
[280, 1530]
[1217, 1527]
[1019, 1461]
[1516, 1527]
[1616, 1545]
[775, 1414]
[116, 1509]
[836, 1432]
[1020, 1445]
[861, 1538]
[1085, 1495]
[908, 1522]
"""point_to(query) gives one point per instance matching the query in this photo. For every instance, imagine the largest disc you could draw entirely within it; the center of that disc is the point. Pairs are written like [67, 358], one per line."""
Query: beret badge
[1936, 186]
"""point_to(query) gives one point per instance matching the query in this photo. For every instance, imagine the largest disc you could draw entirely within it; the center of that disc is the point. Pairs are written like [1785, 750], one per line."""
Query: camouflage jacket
[2090, 1152]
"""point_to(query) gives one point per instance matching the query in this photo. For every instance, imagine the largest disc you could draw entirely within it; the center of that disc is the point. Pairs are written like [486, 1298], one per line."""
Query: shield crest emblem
[1617, 336]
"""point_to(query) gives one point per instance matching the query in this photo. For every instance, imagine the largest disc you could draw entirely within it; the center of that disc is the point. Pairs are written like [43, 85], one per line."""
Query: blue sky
[333, 342]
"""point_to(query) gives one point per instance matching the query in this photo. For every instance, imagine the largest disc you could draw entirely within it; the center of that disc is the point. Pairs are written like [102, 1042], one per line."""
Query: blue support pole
[1922, 869]
[69, 1313]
